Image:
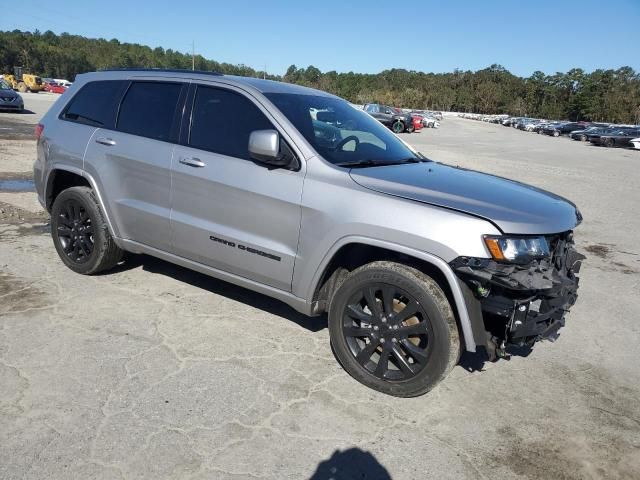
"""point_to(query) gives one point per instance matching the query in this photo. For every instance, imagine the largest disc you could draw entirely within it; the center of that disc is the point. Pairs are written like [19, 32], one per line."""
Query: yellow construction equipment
[24, 82]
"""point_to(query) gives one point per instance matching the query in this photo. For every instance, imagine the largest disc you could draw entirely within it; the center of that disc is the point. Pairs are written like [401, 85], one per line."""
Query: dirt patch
[598, 250]
[18, 294]
[12, 215]
[559, 448]
[626, 269]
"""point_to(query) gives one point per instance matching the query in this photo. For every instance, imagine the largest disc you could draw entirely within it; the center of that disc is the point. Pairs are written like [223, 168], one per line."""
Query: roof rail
[168, 70]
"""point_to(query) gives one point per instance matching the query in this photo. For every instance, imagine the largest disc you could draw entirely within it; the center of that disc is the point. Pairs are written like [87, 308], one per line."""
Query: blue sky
[361, 36]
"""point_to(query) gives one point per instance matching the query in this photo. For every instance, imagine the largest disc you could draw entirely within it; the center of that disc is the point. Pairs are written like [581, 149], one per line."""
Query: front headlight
[517, 249]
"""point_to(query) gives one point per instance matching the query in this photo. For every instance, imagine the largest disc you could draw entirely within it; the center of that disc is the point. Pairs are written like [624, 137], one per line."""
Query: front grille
[8, 99]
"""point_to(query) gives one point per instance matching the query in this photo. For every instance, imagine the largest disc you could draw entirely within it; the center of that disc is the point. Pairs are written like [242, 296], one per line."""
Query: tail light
[38, 131]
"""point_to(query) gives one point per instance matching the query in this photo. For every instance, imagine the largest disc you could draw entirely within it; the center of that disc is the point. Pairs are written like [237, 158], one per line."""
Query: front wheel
[393, 330]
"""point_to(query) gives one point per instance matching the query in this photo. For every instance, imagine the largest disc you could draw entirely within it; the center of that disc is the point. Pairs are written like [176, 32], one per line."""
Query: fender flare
[94, 187]
[437, 262]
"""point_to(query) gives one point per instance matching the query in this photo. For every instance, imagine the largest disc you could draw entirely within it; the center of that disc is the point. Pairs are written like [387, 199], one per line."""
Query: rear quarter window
[96, 103]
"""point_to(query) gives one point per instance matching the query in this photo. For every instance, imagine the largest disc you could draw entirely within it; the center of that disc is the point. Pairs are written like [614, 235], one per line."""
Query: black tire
[80, 233]
[609, 143]
[397, 126]
[411, 129]
[414, 351]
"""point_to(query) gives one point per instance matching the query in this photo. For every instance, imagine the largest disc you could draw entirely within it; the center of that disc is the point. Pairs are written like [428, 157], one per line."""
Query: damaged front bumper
[511, 304]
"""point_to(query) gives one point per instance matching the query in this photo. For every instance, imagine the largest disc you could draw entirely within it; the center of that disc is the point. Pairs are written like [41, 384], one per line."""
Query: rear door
[93, 106]
[132, 161]
[229, 212]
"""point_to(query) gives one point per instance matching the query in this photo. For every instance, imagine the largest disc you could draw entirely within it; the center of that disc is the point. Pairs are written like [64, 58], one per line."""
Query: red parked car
[417, 122]
[54, 87]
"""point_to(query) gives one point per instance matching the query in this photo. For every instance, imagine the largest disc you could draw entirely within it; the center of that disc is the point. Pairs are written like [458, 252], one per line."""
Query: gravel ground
[153, 371]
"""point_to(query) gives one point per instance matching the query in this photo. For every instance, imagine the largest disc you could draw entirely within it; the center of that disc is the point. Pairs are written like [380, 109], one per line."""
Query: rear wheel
[22, 87]
[556, 133]
[608, 142]
[80, 233]
[393, 329]
[397, 127]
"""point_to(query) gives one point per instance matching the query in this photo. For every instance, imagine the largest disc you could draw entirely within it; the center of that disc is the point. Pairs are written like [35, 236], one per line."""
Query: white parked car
[636, 143]
[63, 82]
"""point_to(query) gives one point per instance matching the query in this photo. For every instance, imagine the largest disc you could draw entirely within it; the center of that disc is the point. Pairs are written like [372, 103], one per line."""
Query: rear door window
[96, 103]
[222, 121]
[149, 109]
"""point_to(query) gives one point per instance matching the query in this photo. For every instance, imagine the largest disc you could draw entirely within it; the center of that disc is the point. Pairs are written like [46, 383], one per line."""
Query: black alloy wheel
[392, 329]
[80, 233]
[75, 231]
[387, 332]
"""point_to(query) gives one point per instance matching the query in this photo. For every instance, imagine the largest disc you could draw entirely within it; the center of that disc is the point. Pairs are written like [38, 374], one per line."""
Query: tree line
[602, 95]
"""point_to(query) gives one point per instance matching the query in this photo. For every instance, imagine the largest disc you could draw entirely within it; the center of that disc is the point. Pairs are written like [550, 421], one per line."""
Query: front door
[229, 212]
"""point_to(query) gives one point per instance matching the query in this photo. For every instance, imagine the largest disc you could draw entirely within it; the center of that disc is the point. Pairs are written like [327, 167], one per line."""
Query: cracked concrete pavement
[153, 371]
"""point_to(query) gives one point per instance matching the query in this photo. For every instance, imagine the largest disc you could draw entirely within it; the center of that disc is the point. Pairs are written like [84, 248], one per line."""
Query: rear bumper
[518, 305]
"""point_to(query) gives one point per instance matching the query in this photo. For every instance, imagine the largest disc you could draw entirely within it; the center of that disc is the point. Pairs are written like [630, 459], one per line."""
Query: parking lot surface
[153, 371]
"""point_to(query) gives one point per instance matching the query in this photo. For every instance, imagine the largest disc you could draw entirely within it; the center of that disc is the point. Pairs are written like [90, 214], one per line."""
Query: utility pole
[264, 72]
[193, 55]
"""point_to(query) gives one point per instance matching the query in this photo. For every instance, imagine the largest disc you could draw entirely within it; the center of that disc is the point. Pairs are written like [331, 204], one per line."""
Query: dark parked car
[613, 130]
[552, 129]
[10, 100]
[563, 128]
[523, 122]
[618, 138]
[393, 118]
[583, 135]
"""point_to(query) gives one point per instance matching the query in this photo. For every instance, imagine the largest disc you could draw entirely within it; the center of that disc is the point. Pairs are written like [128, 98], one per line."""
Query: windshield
[339, 132]
[4, 85]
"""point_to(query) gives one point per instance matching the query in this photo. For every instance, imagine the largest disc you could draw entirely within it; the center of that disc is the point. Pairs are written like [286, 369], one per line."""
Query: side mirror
[264, 147]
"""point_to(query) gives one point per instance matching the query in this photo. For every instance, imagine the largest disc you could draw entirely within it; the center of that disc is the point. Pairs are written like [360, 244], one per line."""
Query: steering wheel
[346, 140]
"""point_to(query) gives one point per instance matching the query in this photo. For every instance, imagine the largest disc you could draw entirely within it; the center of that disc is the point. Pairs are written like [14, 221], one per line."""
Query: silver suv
[296, 194]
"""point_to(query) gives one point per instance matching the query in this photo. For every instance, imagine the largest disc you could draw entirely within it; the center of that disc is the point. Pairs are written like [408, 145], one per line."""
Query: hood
[8, 93]
[512, 206]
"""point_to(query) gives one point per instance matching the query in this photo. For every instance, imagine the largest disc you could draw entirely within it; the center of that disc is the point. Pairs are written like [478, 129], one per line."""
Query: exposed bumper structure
[520, 304]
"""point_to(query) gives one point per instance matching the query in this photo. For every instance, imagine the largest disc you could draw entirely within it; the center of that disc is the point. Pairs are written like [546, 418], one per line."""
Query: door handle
[192, 162]
[109, 142]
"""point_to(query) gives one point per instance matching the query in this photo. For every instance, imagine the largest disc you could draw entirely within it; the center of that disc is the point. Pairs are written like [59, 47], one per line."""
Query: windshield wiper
[377, 163]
